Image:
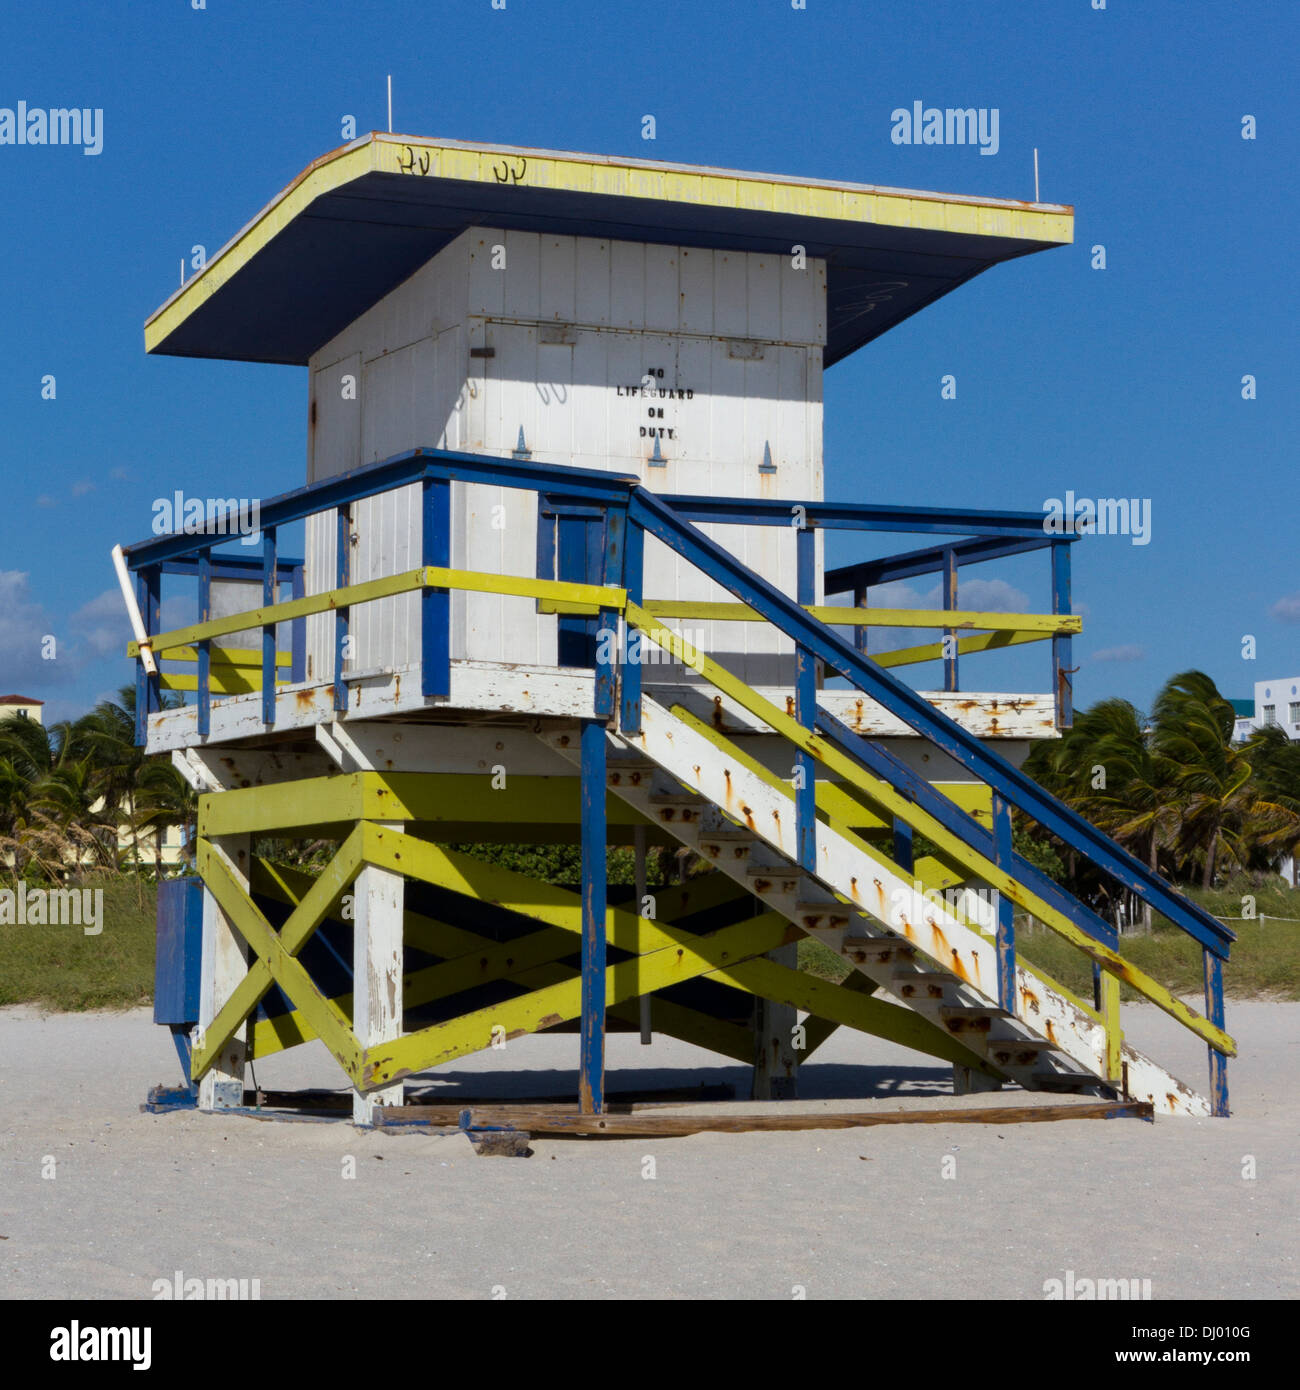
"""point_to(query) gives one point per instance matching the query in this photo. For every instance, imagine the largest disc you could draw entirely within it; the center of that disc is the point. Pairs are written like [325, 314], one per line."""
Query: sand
[863, 1213]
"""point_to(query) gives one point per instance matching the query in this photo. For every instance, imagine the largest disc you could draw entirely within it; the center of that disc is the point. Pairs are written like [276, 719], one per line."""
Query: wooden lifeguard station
[563, 577]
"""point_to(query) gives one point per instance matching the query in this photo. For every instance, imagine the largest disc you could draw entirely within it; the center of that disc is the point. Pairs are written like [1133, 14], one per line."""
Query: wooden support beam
[223, 966]
[377, 975]
[643, 1125]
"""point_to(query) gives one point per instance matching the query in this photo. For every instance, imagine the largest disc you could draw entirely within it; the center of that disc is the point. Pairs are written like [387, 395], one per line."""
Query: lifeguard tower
[564, 579]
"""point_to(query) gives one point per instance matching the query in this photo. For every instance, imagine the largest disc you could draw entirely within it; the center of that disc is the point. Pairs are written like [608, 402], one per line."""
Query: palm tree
[164, 799]
[1275, 762]
[1224, 813]
[107, 737]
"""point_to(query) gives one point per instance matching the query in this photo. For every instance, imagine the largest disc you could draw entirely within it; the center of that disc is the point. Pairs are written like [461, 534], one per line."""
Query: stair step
[677, 799]
[878, 946]
[1067, 1080]
[1002, 1051]
[822, 916]
[926, 977]
[958, 1011]
[726, 832]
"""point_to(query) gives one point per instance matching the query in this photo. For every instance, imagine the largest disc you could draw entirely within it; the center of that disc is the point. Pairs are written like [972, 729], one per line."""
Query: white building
[1277, 705]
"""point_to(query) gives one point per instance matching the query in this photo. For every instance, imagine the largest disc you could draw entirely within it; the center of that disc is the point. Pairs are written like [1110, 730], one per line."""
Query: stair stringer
[873, 898]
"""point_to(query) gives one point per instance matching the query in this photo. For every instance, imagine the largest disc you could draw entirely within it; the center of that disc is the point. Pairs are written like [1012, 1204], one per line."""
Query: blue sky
[1122, 382]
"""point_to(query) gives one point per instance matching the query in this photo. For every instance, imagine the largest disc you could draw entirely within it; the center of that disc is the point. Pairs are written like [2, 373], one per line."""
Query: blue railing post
[342, 569]
[1006, 908]
[148, 689]
[591, 1075]
[805, 703]
[298, 627]
[1062, 644]
[949, 603]
[204, 644]
[270, 587]
[860, 638]
[573, 563]
[904, 850]
[1214, 1012]
[633, 640]
[435, 604]
[607, 647]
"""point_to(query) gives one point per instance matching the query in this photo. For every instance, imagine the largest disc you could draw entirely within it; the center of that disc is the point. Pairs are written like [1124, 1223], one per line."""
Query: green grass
[1264, 961]
[62, 968]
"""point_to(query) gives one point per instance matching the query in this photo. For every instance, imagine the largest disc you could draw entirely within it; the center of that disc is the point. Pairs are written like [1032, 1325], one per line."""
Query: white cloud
[1286, 610]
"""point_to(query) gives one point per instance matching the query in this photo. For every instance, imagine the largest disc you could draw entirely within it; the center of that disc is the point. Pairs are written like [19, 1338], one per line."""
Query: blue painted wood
[204, 646]
[805, 705]
[342, 569]
[179, 953]
[411, 466]
[298, 626]
[591, 1078]
[889, 569]
[1006, 927]
[861, 639]
[950, 602]
[576, 635]
[435, 604]
[1062, 647]
[634, 583]
[904, 851]
[857, 516]
[919, 715]
[1214, 1012]
[612, 560]
[269, 584]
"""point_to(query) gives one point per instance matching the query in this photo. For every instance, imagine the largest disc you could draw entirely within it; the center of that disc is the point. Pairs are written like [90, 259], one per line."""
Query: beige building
[20, 707]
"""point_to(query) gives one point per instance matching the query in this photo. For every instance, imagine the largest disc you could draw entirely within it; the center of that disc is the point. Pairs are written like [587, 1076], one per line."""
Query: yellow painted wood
[933, 651]
[1114, 1031]
[684, 959]
[997, 627]
[311, 910]
[895, 804]
[273, 1035]
[348, 597]
[310, 801]
[276, 964]
[229, 656]
[434, 797]
[596, 596]
[853, 1008]
[391, 154]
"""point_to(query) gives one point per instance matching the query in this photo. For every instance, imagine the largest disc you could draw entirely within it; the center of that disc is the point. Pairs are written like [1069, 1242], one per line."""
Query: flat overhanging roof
[359, 221]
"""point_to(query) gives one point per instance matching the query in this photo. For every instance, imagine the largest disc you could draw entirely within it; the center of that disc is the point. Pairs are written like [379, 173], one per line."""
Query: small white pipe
[133, 611]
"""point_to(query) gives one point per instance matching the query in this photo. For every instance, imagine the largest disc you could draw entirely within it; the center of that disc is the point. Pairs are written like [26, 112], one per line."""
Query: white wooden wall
[574, 326]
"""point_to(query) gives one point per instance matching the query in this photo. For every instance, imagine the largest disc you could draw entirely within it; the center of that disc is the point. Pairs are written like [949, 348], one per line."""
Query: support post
[805, 705]
[342, 571]
[591, 1069]
[378, 908]
[1006, 927]
[949, 603]
[638, 871]
[223, 964]
[607, 644]
[634, 642]
[860, 633]
[435, 604]
[1109, 1004]
[148, 689]
[904, 855]
[298, 627]
[776, 1063]
[1214, 1012]
[1062, 646]
[269, 588]
[205, 644]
